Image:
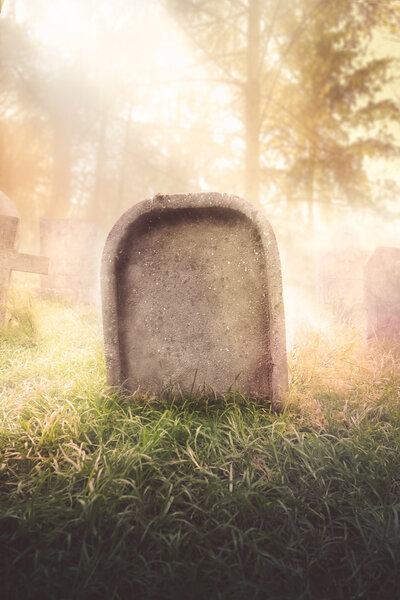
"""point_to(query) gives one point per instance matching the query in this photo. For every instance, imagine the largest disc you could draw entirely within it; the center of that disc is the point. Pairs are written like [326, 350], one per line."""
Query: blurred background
[292, 104]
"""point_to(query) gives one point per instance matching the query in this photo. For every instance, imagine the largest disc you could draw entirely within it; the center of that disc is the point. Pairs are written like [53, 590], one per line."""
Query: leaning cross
[11, 260]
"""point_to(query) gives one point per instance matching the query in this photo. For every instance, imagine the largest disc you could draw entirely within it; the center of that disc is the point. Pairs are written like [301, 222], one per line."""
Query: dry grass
[105, 497]
[335, 376]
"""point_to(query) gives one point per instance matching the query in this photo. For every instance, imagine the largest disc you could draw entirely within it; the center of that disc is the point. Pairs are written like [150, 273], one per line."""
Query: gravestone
[11, 260]
[7, 206]
[382, 295]
[71, 246]
[192, 295]
[340, 274]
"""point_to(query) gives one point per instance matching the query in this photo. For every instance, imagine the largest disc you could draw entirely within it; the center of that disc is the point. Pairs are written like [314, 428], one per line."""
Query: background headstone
[7, 206]
[71, 246]
[382, 295]
[340, 274]
[11, 260]
[192, 295]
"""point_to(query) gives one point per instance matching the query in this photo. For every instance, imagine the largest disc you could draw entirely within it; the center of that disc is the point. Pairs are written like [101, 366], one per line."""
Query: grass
[104, 497]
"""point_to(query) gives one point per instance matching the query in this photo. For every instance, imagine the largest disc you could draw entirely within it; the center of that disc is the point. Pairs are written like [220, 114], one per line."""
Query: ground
[106, 496]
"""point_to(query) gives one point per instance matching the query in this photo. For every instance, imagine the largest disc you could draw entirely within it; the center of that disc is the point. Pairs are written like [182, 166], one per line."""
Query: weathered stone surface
[11, 260]
[192, 295]
[340, 274]
[382, 295]
[71, 246]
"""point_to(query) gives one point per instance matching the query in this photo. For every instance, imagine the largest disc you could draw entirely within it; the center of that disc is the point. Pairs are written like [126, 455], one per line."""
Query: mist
[189, 407]
[106, 104]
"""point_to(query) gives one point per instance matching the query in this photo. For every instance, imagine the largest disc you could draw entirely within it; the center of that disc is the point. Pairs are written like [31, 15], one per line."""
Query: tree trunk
[95, 206]
[252, 105]
[311, 189]
[62, 167]
[124, 162]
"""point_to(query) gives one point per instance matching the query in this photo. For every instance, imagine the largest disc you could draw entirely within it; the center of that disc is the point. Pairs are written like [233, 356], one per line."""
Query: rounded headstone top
[7, 206]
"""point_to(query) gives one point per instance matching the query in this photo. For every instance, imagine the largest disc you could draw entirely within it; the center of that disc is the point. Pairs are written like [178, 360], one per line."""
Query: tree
[24, 140]
[306, 88]
[69, 143]
[335, 101]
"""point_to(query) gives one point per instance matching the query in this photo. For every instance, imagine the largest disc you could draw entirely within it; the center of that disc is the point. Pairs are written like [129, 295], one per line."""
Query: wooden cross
[11, 260]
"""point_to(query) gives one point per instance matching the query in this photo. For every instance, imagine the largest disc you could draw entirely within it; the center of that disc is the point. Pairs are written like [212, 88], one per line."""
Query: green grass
[102, 497]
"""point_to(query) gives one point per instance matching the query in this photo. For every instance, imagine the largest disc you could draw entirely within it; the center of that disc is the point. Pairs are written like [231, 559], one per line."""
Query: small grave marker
[71, 246]
[382, 295]
[192, 295]
[11, 260]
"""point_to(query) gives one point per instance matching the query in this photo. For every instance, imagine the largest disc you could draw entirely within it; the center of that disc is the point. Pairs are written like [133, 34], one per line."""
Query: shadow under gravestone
[192, 296]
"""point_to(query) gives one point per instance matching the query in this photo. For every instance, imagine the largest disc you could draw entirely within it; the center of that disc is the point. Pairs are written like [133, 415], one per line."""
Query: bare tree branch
[231, 21]
[320, 4]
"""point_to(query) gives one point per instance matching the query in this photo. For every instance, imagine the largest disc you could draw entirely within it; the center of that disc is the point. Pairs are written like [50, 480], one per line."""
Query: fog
[105, 104]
